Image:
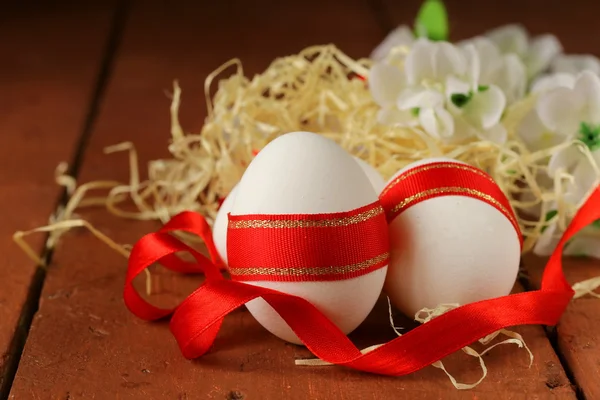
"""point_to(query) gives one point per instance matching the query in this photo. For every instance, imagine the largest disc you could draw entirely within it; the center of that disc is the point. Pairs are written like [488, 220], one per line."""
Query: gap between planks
[31, 305]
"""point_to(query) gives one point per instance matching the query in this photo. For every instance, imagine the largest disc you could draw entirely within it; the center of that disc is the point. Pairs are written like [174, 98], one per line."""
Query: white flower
[535, 135]
[585, 243]
[567, 111]
[532, 130]
[575, 63]
[584, 171]
[537, 53]
[564, 70]
[562, 113]
[564, 109]
[401, 36]
[438, 88]
[503, 70]
[552, 81]
[426, 105]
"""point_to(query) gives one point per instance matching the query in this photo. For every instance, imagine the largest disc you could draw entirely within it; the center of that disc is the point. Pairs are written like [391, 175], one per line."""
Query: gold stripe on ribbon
[325, 223]
[427, 167]
[451, 190]
[317, 271]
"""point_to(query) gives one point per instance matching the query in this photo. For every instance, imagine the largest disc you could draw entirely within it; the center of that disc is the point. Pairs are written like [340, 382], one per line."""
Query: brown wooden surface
[85, 344]
[50, 62]
[578, 333]
[574, 23]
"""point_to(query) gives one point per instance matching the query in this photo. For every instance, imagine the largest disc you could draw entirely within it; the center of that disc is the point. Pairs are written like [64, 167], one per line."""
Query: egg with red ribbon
[306, 221]
[219, 230]
[454, 237]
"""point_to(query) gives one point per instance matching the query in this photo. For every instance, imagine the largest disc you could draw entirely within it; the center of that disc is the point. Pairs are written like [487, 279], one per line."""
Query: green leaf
[596, 224]
[460, 99]
[432, 21]
[590, 135]
[549, 215]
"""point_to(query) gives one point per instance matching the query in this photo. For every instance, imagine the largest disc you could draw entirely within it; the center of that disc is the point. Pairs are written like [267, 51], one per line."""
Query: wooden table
[77, 78]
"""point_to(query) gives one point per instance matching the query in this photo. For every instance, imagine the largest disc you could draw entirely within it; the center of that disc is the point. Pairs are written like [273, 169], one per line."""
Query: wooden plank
[578, 333]
[50, 62]
[84, 343]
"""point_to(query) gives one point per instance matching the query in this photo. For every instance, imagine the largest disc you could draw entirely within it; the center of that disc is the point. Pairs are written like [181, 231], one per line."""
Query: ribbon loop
[161, 247]
[197, 320]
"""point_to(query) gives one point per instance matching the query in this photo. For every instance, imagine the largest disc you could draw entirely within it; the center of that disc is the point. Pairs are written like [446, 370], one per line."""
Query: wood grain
[578, 333]
[85, 344]
[50, 60]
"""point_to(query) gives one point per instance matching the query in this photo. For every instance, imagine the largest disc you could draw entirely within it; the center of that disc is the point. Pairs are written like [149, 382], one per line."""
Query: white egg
[306, 173]
[374, 176]
[219, 230]
[450, 249]
[220, 224]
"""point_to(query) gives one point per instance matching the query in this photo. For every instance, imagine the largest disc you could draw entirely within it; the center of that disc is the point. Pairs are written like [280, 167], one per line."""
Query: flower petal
[486, 107]
[401, 36]
[575, 63]
[446, 122]
[419, 98]
[541, 51]
[488, 56]
[437, 122]
[587, 90]
[419, 62]
[385, 83]
[428, 122]
[510, 38]
[583, 245]
[505, 71]
[473, 65]
[535, 135]
[565, 159]
[455, 85]
[448, 59]
[511, 78]
[584, 178]
[558, 110]
[548, 82]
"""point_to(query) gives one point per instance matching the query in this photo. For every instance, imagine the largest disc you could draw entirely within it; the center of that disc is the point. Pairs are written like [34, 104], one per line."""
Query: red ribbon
[308, 247]
[196, 321]
[444, 179]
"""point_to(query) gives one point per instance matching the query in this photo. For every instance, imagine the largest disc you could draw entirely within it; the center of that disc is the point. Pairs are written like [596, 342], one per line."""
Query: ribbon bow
[197, 320]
